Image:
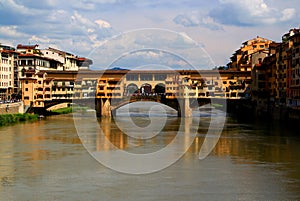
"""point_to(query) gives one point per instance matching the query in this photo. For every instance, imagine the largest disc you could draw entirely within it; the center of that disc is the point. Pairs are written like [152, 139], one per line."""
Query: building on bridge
[172, 83]
[125, 84]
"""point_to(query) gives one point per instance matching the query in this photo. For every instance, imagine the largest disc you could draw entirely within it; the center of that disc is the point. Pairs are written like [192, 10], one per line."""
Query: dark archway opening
[160, 89]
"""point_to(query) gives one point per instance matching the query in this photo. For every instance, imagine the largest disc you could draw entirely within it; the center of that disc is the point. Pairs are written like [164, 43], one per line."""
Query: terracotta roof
[9, 51]
[20, 46]
[83, 59]
[59, 51]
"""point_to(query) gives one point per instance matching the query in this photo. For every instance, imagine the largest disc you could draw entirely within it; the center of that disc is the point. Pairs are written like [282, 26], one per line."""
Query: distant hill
[118, 68]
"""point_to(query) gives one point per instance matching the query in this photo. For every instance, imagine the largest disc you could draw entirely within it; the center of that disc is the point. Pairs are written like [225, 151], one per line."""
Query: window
[26, 97]
[132, 77]
[160, 77]
[146, 77]
[26, 89]
[26, 82]
[23, 62]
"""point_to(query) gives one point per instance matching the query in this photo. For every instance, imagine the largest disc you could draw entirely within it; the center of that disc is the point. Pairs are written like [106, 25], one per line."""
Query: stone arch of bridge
[114, 107]
[49, 104]
[160, 88]
[132, 89]
[146, 88]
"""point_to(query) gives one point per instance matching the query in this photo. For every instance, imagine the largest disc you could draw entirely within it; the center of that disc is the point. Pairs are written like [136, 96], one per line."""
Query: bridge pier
[103, 107]
[184, 109]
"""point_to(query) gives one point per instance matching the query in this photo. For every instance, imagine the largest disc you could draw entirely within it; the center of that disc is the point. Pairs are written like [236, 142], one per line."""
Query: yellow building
[36, 88]
[175, 84]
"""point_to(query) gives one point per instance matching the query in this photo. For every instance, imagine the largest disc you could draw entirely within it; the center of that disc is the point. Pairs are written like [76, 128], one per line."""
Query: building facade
[36, 88]
[70, 62]
[242, 58]
[8, 60]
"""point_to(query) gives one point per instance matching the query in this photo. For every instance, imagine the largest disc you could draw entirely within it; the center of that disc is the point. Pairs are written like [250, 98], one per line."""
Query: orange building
[36, 88]
[242, 58]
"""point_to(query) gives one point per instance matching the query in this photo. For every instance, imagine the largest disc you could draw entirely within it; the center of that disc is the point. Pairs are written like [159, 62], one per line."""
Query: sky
[94, 28]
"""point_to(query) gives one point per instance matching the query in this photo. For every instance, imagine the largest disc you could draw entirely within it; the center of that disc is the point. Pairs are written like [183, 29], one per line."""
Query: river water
[46, 160]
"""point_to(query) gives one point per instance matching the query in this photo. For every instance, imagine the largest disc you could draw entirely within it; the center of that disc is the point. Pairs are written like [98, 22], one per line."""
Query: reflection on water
[45, 160]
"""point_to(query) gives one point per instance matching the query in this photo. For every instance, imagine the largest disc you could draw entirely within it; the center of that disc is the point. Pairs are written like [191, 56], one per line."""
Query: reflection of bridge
[108, 90]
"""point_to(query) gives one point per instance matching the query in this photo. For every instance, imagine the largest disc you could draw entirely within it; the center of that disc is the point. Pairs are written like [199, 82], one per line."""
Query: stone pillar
[21, 107]
[184, 109]
[98, 107]
[105, 108]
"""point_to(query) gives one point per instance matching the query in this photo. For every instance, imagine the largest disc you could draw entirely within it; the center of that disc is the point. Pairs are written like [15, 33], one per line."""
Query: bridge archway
[55, 102]
[143, 108]
[160, 88]
[146, 88]
[132, 89]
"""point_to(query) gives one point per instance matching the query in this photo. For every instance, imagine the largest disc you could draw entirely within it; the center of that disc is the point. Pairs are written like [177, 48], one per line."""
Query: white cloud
[17, 8]
[84, 5]
[11, 31]
[102, 23]
[287, 14]
[95, 30]
[82, 21]
[39, 40]
[249, 13]
[196, 19]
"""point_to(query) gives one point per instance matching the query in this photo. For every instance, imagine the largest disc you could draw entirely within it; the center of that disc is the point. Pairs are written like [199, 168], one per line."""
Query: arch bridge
[109, 89]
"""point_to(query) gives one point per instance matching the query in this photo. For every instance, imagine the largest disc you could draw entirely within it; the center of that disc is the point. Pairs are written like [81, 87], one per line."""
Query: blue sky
[80, 26]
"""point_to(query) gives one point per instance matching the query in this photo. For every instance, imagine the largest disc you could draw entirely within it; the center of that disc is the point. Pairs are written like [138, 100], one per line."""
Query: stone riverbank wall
[12, 108]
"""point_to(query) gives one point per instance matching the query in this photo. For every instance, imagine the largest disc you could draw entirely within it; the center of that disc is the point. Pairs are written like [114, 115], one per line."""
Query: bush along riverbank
[8, 119]
[65, 110]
